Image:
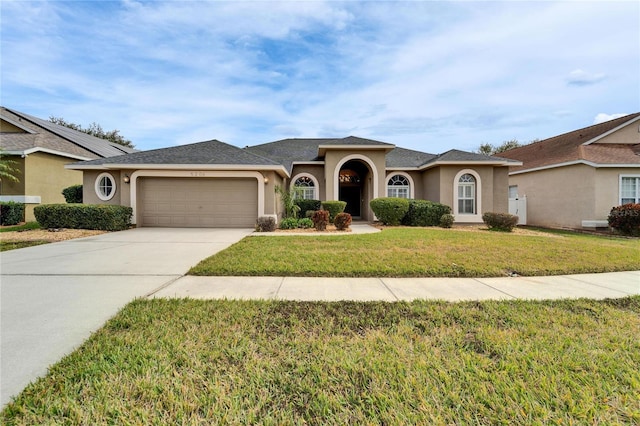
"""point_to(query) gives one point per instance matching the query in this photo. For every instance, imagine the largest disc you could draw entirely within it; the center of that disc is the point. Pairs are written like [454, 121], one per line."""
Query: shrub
[446, 220]
[342, 221]
[625, 219]
[305, 223]
[425, 213]
[307, 205]
[11, 213]
[333, 207]
[84, 216]
[73, 194]
[265, 224]
[500, 221]
[320, 220]
[289, 223]
[390, 210]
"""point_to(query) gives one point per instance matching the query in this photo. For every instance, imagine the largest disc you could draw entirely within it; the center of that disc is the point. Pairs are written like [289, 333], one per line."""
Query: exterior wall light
[266, 180]
[126, 179]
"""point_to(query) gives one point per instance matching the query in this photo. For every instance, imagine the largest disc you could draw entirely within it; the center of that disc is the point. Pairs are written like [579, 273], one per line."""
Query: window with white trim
[629, 189]
[467, 194]
[105, 186]
[304, 188]
[398, 186]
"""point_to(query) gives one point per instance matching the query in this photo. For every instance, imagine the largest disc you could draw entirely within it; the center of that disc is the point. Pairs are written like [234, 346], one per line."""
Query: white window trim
[97, 186]
[316, 186]
[462, 217]
[620, 187]
[406, 175]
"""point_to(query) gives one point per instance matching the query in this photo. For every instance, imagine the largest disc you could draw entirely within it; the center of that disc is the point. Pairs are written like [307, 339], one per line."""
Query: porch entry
[352, 186]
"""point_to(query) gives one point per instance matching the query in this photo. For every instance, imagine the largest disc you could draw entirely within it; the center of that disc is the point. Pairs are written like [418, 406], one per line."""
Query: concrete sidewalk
[593, 286]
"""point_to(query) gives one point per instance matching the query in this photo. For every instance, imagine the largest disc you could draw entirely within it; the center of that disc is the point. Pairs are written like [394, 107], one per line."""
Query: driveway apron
[52, 297]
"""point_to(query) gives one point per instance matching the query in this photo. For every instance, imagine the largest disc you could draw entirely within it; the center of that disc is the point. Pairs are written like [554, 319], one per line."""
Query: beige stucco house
[574, 179]
[214, 184]
[40, 150]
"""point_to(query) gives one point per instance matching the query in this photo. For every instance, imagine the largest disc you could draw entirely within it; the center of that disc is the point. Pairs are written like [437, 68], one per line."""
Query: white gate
[518, 207]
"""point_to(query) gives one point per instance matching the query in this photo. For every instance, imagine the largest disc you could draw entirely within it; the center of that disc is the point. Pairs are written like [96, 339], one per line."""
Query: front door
[351, 195]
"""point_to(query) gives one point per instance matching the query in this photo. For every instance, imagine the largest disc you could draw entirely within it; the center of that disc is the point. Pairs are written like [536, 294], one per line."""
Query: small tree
[291, 209]
[96, 130]
[488, 149]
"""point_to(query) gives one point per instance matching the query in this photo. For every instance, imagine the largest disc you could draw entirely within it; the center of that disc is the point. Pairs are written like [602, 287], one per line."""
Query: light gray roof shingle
[211, 152]
[402, 157]
[457, 155]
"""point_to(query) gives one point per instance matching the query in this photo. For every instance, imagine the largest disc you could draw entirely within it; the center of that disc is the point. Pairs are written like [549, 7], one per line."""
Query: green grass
[24, 227]
[424, 252]
[285, 363]
[12, 245]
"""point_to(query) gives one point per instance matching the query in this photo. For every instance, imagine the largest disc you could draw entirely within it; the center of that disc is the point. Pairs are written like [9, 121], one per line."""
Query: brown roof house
[214, 184]
[40, 150]
[574, 179]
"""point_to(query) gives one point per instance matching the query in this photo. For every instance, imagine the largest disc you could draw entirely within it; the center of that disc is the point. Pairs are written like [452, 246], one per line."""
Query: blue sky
[426, 75]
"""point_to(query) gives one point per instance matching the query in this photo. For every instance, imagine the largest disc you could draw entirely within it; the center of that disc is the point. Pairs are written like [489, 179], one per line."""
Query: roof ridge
[619, 121]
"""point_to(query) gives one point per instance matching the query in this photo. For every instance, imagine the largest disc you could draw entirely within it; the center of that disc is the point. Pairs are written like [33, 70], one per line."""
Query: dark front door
[351, 195]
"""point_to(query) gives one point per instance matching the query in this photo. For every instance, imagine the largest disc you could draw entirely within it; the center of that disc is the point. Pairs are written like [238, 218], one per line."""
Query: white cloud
[583, 78]
[602, 117]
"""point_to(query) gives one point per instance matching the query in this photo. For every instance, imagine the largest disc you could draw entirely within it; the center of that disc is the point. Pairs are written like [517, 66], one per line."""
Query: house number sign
[197, 174]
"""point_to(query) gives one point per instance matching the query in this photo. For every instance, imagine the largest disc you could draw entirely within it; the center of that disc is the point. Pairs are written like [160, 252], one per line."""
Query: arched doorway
[352, 186]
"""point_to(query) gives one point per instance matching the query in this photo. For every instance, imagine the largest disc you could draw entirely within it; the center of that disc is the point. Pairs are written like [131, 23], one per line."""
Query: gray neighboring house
[214, 184]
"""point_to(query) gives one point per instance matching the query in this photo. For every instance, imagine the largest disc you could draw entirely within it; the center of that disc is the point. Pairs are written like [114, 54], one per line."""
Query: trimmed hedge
[307, 205]
[103, 217]
[265, 224]
[333, 207]
[11, 213]
[625, 219]
[425, 213]
[342, 221]
[500, 221]
[390, 210]
[73, 194]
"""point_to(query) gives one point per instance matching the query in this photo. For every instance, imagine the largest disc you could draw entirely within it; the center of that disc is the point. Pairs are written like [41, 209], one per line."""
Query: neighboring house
[213, 184]
[40, 150]
[574, 179]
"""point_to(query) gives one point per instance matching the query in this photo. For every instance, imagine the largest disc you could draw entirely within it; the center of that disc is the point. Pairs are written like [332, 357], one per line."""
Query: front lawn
[283, 363]
[424, 252]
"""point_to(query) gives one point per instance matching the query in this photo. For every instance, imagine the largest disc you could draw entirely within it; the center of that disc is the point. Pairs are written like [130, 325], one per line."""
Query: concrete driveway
[52, 297]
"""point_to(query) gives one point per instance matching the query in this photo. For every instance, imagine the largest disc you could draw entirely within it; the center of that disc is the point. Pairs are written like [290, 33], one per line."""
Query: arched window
[304, 187]
[398, 186]
[467, 194]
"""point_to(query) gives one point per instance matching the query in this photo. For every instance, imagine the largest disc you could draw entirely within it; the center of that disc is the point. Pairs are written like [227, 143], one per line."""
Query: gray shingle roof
[354, 140]
[97, 146]
[456, 155]
[202, 153]
[402, 157]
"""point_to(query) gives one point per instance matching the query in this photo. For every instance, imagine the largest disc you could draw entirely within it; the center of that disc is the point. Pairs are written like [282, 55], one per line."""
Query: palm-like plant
[7, 171]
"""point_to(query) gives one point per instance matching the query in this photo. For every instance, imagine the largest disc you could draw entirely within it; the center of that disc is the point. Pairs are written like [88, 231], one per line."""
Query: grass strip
[285, 363]
[12, 245]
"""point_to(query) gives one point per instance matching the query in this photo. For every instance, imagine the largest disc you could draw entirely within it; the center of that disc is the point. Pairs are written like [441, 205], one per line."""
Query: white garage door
[198, 202]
